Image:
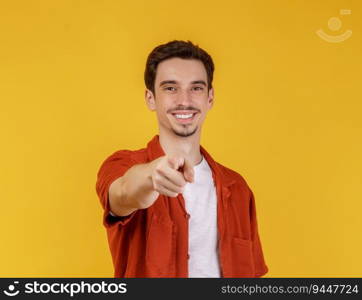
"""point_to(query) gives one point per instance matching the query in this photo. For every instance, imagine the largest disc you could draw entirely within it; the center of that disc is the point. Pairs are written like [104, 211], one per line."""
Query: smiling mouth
[184, 117]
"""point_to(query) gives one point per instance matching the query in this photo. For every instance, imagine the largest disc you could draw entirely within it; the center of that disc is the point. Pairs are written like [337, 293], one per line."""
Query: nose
[183, 98]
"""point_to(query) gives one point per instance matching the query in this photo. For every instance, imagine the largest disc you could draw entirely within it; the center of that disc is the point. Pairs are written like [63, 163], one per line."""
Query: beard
[185, 132]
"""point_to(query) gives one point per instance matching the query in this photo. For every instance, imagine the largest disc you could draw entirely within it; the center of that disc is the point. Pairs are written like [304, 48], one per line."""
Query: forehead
[179, 69]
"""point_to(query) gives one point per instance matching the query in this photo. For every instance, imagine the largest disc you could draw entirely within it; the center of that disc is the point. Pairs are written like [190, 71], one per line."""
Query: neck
[189, 146]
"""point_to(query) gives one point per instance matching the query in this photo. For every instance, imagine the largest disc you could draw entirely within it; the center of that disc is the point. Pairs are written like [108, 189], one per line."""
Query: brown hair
[181, 49]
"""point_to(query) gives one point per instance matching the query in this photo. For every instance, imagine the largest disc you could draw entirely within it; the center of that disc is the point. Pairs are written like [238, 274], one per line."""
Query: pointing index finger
[188, 171]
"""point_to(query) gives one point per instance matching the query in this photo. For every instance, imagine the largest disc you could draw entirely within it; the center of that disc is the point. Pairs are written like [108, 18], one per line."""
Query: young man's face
[182, 97]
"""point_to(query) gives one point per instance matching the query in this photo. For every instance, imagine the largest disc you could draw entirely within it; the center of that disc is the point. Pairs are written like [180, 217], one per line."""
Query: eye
[198, 88]
[170, 88]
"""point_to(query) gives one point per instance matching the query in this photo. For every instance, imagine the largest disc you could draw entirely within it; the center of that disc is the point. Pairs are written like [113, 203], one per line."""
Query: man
[170, 210]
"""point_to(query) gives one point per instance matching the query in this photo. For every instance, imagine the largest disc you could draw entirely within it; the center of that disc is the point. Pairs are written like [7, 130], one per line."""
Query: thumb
[188, 171]
[175, 162]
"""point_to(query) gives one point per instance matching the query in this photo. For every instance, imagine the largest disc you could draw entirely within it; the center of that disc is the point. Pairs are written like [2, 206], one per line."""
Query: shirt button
[187, 216]
[188, 256]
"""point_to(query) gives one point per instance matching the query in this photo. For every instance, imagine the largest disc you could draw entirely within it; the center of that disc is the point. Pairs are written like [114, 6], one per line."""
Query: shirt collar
[154, 150]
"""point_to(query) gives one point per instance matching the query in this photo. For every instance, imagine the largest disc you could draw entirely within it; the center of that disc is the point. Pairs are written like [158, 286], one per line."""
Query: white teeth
[183, 116]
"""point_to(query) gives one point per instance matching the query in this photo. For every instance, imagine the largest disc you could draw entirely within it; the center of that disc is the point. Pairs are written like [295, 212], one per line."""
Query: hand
[170, 173]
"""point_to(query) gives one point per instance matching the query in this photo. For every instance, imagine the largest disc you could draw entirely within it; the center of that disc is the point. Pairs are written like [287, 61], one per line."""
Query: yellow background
[287, 116]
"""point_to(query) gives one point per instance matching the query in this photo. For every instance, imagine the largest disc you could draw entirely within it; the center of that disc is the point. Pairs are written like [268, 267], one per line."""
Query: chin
[185, 133]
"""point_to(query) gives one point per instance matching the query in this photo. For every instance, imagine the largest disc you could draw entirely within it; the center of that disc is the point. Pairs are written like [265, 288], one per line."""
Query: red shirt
[153, 242]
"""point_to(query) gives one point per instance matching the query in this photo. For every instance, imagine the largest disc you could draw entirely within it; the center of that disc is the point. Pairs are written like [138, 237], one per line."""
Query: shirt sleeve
[112, 168]
[259, 262]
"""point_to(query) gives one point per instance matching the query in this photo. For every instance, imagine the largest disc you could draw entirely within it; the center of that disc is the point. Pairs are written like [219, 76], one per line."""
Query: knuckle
[158, 169]
[182, 183]
[156, 177]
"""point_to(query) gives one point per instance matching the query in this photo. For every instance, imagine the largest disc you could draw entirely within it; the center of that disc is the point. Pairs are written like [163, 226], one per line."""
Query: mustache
[183, 108]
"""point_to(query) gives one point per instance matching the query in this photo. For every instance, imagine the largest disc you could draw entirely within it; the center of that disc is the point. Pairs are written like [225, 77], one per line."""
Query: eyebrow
[175, 82]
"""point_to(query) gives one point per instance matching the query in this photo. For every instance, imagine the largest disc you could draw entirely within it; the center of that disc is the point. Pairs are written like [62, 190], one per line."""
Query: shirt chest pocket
[161, 248]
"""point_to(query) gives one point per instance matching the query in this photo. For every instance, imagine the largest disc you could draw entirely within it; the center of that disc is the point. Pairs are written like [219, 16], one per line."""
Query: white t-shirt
[201, 205]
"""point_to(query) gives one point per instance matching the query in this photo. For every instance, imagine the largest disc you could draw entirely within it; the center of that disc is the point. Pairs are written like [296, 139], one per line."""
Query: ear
[150, 100]
[210, 100]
